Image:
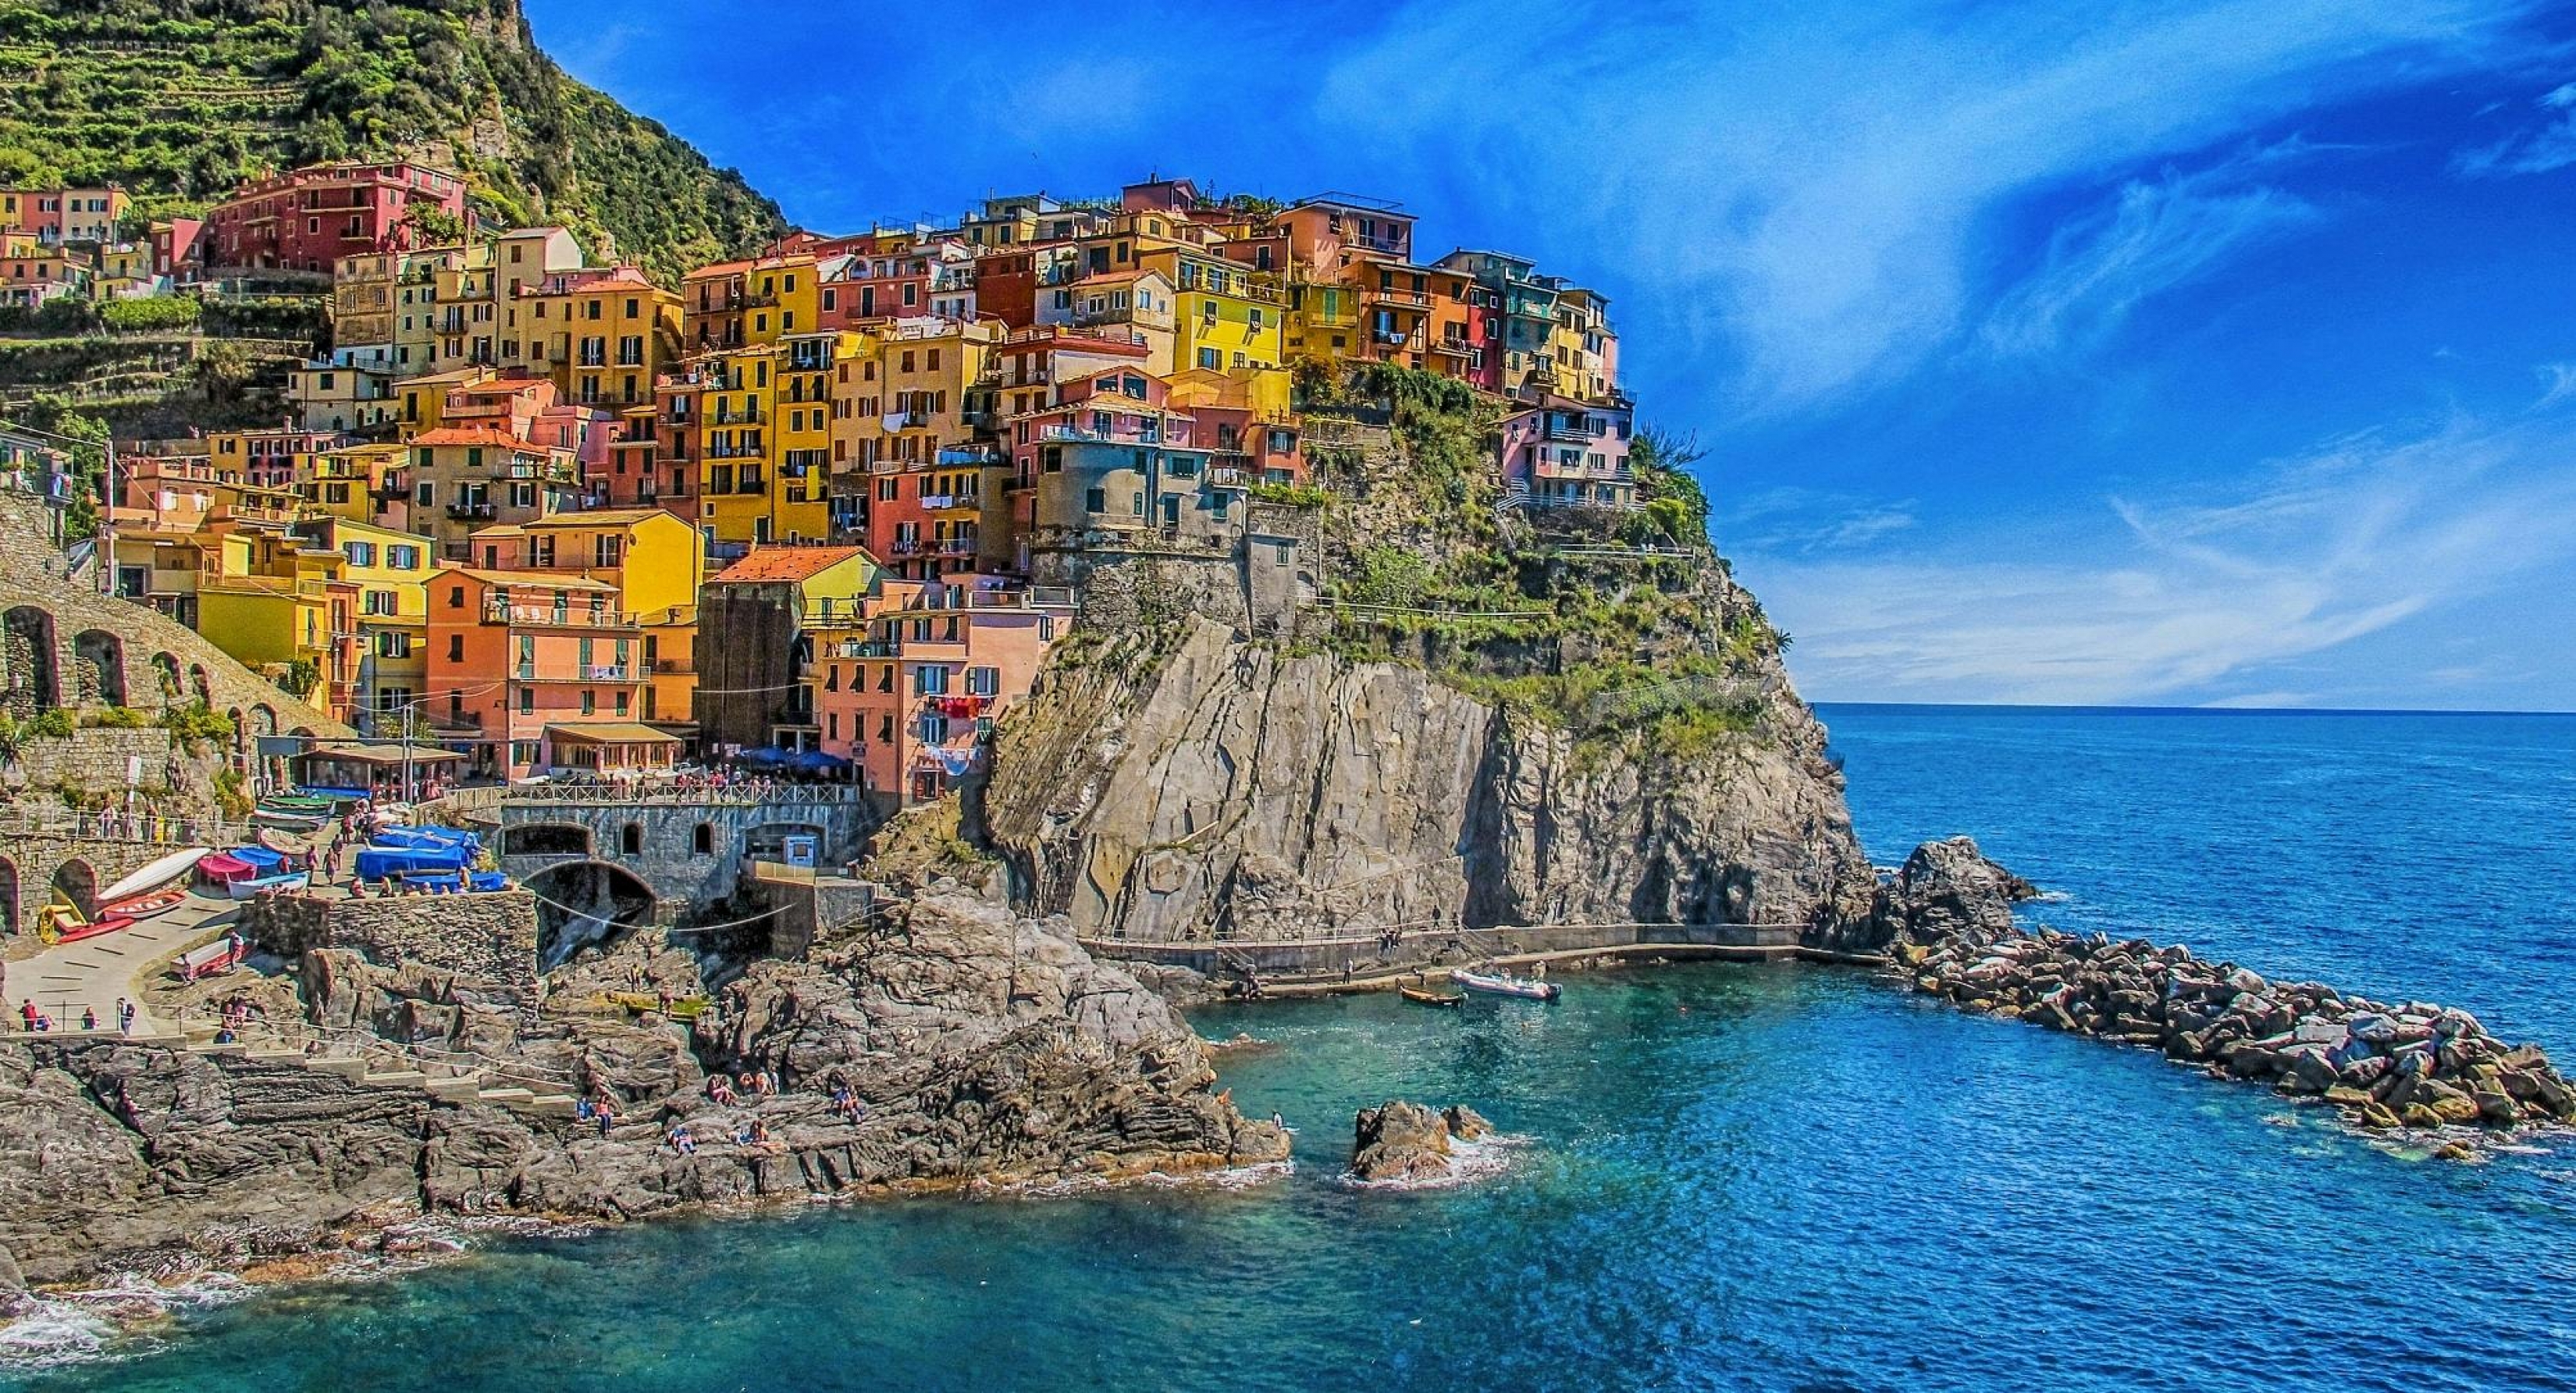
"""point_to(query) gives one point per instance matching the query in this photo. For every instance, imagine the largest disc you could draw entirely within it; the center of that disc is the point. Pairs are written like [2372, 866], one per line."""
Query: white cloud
[1821, 183]
[2538, 150]
[2199, 601]
[2557, 383]
[2151, 237]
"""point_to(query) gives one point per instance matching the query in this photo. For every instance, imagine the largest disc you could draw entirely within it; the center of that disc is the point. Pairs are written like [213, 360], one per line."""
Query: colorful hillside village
[827, 506]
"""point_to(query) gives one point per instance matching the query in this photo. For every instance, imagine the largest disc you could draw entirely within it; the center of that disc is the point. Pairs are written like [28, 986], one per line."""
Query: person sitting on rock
[720, 1090]
[682, 1142]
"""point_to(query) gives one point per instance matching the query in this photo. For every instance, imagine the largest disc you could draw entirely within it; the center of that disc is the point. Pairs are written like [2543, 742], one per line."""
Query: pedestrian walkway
[92, 973]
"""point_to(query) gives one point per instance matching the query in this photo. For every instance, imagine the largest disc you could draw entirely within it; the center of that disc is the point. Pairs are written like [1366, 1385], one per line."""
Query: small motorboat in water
[1421, 997]
[1502, 984]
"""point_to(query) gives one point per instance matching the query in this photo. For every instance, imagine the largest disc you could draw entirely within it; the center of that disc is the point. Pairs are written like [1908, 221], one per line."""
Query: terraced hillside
[180, 99]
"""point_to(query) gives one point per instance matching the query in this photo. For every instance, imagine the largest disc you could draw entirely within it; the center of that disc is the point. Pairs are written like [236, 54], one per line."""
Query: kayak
[1501, 985]
[152, 877]
[1420, 997]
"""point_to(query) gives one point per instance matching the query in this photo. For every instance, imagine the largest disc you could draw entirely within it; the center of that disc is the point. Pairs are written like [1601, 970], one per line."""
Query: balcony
[1226, 476]
[550, 617]
[735, 416]
[473, 512]
[872, 648]
[611, 672]
[1573, 433]
[1381, 295]
[668, 667]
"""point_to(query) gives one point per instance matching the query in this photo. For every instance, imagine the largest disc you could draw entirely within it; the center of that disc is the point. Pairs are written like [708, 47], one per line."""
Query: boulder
[1948, 891]
[1401, 1141]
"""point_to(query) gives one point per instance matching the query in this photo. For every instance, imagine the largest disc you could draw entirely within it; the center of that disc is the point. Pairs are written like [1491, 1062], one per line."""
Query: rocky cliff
[1234, 790]
[973, 1047]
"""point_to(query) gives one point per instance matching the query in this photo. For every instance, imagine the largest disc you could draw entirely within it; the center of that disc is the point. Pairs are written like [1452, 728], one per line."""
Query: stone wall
[662, 849]
[490, 938]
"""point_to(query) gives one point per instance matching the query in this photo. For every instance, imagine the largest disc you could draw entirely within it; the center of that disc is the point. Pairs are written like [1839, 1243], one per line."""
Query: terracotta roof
[610, 733]
[468, 435]
[785, 563]
[597, 517]
[549, 580]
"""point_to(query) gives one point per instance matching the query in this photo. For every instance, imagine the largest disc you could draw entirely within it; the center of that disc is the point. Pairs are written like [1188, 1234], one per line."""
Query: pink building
[909, 691]
[1564, 452]
[307, 219]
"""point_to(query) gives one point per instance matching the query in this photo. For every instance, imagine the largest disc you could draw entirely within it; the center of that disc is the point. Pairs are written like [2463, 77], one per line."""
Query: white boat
[253, 889]
[156, 875]
[1500, 984]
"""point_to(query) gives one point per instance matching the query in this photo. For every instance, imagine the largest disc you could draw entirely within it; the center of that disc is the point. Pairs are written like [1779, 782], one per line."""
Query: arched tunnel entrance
[585, 905]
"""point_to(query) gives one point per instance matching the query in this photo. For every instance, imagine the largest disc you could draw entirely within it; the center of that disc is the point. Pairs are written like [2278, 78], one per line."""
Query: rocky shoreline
[2384, 1065]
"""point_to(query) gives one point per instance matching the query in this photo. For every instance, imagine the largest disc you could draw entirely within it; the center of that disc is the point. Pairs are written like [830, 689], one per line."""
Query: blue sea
[1778, 1177]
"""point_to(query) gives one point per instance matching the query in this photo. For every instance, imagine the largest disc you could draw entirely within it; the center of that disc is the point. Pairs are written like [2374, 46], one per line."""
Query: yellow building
[1580, 345]
[362, 484]
[600, 334]
[417, 313]
[744, 304]
[274, 603]
[655, 562]
[1228, 318]
[930, 373]
[363, 292]
[772, 420]
[389, 572]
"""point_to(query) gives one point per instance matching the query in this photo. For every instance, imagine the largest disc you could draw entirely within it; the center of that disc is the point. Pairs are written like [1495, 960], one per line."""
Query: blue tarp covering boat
[383, 863]
[407, 838]
[258, 858]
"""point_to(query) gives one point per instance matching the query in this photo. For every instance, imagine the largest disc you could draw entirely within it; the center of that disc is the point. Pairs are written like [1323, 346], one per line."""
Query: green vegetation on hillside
[179, 100]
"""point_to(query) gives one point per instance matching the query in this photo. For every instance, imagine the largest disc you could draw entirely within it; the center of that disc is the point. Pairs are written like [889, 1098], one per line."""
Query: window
[983, 681]
[930, 679]
[403, 558]
[394, 644]
[527, 701]
[1096, 500]
[456, 648]
[630, 839]
[589, 702]
[1211, 358]
[456, 599]
[702, 839]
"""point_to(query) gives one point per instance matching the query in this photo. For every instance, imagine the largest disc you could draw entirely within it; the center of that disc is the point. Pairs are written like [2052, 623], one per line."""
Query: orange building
[533, 671]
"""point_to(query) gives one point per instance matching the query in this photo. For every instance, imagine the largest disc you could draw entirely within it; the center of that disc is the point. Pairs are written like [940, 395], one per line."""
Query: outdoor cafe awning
[610, 733]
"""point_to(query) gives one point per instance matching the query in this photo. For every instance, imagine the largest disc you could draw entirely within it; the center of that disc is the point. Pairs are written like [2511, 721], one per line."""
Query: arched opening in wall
[702, 839]
[586, 906]
[98, 668]
[546, 839]
[241, 734]
[8, 896]
[198, 684]
[165, 677]
[263, 721]
[630, 839]
[76, 884]
[27, 656]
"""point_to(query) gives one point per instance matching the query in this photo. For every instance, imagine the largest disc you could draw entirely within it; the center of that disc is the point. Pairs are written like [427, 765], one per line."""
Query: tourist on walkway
[27, 1012]
[124, 1016]
[89, 1018]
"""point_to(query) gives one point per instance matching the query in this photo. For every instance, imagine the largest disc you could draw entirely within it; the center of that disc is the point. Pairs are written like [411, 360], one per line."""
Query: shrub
[119, 718]
[157, 313]
[56, 723]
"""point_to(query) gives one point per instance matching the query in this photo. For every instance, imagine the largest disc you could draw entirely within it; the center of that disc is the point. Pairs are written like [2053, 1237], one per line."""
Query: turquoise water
[1767, 1177]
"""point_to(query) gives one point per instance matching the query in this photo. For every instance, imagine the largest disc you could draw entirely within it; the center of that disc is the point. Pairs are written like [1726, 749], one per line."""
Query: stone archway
[8, 896]
[165, 675]
[263, 721]
[583, 905]
[77, 880]
[241, 732]
[545, 839]
[98, 668]
[28, 655]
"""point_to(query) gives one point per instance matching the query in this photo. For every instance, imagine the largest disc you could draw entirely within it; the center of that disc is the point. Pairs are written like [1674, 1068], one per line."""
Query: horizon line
[2199, 710]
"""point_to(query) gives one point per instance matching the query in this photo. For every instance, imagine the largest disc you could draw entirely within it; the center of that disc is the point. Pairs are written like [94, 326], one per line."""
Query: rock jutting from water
[1402, 1143]
[2386, 1065]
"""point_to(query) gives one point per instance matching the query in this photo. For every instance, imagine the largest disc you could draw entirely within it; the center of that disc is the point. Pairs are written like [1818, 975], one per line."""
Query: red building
[307, 219]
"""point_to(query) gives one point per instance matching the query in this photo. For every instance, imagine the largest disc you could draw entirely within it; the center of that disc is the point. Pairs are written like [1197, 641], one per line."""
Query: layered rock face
[2412, 1064]
[953, 1045]
[1236, 792]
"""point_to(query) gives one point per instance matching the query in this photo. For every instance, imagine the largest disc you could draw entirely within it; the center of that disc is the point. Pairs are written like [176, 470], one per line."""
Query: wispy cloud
[2189, 601]
[1793, 520]
[1822, 183]
[2557, 383]
[2539, 149]
[2153, 235]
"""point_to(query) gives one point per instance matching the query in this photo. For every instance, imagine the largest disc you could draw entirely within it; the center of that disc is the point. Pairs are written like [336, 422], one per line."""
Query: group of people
[760, 1084]
[37, 1022]
[236, 1012]
[137, 827]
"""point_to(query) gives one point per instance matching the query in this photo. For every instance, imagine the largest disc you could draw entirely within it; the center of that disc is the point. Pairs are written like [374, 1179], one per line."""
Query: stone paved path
[94, 972]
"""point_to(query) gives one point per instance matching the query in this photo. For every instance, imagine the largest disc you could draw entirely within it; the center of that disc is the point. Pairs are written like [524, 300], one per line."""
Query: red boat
[144, 906]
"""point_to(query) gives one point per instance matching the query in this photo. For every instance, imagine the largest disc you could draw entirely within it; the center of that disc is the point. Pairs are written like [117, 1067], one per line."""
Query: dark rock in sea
[1401, 1141]
[1949, 892]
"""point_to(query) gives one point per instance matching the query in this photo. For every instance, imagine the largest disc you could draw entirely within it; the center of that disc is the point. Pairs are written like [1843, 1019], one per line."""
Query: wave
[72, 1327]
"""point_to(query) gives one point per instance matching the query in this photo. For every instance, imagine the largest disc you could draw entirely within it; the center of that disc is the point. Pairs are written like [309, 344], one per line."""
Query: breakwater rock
[1408, 1143]
[2386, 1065]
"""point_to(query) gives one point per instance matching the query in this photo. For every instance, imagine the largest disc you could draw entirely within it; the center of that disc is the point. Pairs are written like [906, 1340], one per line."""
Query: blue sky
[2214, 351]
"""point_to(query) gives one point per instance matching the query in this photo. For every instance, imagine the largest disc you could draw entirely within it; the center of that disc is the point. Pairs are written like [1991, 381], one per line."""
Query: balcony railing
[547, 616]
[473, 512]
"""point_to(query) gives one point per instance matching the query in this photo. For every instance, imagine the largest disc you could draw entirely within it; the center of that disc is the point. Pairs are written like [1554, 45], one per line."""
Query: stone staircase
[458, 1089]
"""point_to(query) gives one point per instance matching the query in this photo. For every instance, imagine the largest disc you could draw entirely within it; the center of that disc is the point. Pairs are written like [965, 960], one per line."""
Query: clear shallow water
[1774, 1177]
